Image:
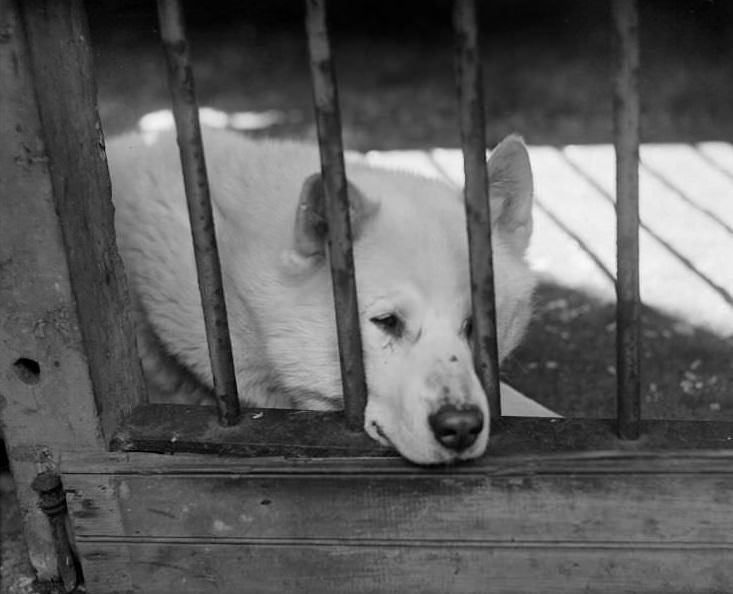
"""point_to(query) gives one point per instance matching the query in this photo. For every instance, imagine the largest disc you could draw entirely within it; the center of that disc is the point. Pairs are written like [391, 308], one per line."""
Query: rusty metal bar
[478, 215]
[208, 267]
[328, 121]
[626, 140]
[52, 502]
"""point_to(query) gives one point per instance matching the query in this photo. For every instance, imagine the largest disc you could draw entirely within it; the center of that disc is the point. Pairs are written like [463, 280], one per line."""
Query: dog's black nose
[457, 428]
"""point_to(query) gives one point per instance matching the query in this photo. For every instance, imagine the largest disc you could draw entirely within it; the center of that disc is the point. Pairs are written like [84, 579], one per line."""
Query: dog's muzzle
[457, 428]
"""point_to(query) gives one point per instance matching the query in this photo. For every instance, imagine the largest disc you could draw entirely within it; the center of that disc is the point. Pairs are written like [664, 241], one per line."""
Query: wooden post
[66, 334]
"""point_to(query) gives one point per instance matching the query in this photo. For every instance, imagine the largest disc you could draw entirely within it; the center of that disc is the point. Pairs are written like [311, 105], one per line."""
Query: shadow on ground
[568, 361]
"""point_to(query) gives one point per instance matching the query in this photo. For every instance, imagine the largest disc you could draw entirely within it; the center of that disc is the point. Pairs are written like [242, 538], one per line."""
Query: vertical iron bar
[626, 141]
[337, 213]
[478, 215]
[208, 267]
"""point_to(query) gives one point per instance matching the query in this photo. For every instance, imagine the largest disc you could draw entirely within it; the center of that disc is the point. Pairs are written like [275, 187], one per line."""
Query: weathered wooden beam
[46, 387]
[261, 432]
[589, 522]
[174, 428]
[382, 568]
[473, 506]
[63, 80]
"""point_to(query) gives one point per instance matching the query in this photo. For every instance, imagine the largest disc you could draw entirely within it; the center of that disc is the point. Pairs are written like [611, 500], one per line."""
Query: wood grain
[46, 400]
[590, 508]
[168, 428]
[562, 522]
[62, 73]
[199, 568]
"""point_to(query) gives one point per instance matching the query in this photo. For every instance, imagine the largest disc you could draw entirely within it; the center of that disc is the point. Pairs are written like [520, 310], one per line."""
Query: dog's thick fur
[411, 263]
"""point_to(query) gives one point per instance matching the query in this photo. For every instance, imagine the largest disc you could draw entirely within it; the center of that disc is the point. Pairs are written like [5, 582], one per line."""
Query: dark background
[546, 67]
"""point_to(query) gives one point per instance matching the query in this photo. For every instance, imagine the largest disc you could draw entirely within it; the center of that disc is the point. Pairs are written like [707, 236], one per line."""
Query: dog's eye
[468, 327]
[389, 323]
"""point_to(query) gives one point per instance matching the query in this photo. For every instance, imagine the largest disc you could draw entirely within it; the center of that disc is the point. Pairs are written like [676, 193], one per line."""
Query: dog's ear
[510, 191]
[311, 225]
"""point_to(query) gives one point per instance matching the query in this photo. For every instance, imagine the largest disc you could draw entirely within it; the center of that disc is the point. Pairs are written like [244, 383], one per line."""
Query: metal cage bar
[478, 214]
[626, 142]
[208, 267]
[325, 96]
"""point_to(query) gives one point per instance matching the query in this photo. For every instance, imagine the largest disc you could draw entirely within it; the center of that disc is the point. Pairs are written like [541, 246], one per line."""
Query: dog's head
[412, 270]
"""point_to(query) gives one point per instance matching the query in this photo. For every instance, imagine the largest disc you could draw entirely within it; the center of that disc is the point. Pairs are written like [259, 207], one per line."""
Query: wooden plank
[62, 72]
[200, 568]
[587, 507]
[171, 428]
[46, 401]
[605, 462]
[592, 522]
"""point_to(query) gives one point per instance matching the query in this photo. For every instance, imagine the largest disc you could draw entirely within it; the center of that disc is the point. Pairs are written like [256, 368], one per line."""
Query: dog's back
[411, 260]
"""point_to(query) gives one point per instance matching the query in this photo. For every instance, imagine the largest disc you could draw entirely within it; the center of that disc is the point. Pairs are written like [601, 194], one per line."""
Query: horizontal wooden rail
[170, 428]
[573, 522]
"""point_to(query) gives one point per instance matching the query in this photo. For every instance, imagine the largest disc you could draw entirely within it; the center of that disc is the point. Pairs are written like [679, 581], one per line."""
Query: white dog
[411, 261]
